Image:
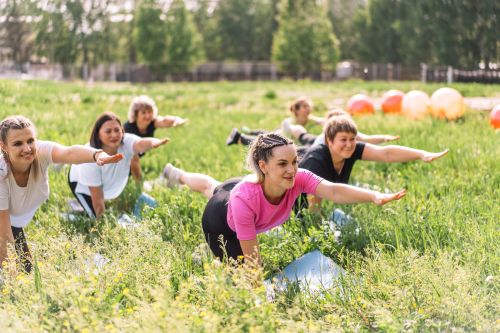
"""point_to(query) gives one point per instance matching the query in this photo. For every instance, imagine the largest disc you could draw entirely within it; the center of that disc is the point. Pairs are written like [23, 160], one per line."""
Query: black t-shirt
[133, 129]
[318, 160]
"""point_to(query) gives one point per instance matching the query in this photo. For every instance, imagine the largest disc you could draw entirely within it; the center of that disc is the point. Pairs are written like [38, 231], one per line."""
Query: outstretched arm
[376, 138]
[317, 120]
[82, 154]
[169, 121]
[398, 154]
[6, 236]
[145, 144]
[347, 194]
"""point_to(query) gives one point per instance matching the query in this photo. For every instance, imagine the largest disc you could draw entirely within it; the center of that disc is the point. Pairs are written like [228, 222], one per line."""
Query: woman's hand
[102, 158]
[388, 138]
[178, 121]
[429, 157]
[159, 142]
[383, 198]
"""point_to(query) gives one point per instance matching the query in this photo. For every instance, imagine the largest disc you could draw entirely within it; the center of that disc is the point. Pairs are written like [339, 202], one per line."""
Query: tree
[71, 31]
[15, 30]
[342, 14]
[245, 28]
[304, 42]
[168, 43]
[150, 34]
[183, 41]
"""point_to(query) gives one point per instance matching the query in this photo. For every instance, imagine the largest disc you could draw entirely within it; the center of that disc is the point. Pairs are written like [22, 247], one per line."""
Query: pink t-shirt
[249, 213]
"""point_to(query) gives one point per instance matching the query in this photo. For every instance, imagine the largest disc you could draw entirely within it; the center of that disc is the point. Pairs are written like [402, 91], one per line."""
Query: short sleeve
[313, 164]
[45, 152]
[90, 174]
[128, 143]
[358, 151]
[307, 181]
[243, 218]
[4, 194]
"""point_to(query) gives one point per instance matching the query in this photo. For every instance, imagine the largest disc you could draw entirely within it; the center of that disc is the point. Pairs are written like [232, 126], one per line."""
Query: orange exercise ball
[360, 104]
[447, 103]
[391, 101]
[495, 117]
[415, 104]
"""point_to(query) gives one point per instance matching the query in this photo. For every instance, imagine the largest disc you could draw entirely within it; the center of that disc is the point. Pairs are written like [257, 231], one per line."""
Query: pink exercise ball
[360, 104]
[391, 101]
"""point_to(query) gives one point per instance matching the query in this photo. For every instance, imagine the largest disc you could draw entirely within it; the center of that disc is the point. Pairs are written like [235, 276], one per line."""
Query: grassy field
[427, 263]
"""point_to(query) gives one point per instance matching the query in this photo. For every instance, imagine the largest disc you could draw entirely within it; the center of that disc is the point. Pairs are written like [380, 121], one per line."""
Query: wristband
[95, 153]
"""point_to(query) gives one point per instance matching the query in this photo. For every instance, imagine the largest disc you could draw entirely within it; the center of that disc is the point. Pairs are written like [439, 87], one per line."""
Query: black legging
[307, 139]
[221, 239]
[84, 199]
[22, 249]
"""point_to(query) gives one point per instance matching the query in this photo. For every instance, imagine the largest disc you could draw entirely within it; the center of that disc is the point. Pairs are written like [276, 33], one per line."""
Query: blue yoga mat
[313, 271]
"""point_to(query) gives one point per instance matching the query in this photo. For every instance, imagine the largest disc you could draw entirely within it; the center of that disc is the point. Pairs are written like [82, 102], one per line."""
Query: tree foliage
[167, 42]
[15, 30]
[437, 32]
[304, 42]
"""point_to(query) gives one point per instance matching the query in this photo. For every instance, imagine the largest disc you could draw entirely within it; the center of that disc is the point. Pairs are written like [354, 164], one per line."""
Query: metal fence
[248, 71]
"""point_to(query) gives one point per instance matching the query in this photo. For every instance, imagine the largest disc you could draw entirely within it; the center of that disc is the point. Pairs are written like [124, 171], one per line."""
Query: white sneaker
[286, 127]
[172, 175]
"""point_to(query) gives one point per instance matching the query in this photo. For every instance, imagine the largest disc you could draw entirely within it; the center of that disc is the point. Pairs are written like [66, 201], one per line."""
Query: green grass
[427, 263]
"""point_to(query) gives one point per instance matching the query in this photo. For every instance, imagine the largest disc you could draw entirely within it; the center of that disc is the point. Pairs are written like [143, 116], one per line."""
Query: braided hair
[262, 149]
[15, 123]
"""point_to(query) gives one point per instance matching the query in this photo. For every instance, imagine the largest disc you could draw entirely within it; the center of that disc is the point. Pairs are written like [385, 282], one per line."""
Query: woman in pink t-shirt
[240, 208]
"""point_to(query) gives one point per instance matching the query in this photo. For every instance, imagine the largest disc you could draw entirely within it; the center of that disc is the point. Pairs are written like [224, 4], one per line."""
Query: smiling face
[111, 135]
[20, 146]
[144, 117]
[281, 168]
[343, 145]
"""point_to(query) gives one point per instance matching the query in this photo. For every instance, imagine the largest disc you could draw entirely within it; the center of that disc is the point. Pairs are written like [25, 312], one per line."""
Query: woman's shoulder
[247, 188]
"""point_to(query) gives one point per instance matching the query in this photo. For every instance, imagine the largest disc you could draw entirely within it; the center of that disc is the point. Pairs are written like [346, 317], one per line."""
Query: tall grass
[427, 263]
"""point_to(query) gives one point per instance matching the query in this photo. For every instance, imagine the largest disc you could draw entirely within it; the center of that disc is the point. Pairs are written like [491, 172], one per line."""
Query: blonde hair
[262, 149]
[16, 123]
[141, 102]
[338, 124]
[298, 103]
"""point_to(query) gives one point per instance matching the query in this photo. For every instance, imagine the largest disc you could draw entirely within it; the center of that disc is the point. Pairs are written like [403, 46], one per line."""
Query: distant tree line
[301, 36]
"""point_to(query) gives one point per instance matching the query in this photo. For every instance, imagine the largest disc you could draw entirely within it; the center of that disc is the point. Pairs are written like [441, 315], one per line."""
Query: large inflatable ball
[360, 104]
[416, 104]
[447, 103]
[495, 117]
[391, 101]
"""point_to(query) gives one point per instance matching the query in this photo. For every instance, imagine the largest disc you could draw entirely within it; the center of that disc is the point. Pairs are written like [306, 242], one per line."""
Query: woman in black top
[335, 159]
[143, 120]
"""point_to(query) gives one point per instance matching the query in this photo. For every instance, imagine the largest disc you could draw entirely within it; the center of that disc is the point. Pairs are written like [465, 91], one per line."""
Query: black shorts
[84, 199]
[221, 239]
